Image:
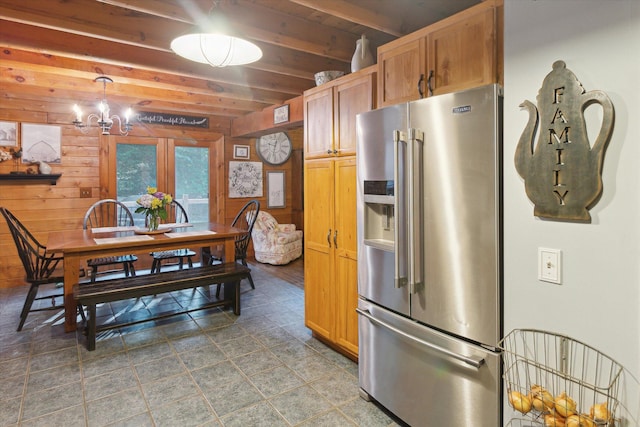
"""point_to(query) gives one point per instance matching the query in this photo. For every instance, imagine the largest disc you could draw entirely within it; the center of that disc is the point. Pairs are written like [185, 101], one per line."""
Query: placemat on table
[108, 240]
[112, 229]
[190, 233]
[175, 225]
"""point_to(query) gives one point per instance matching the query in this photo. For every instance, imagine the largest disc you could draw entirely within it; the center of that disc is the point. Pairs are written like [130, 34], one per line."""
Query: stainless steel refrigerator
[430, 258]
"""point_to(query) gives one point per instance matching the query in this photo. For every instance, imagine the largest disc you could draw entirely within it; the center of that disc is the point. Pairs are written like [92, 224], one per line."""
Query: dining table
[79, 245]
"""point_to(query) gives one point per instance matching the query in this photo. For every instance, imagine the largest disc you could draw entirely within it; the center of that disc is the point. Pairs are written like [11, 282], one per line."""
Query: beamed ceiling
[56, 48]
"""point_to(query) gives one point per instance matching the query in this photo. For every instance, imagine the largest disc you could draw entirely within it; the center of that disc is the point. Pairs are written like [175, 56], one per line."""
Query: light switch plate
[550, 265]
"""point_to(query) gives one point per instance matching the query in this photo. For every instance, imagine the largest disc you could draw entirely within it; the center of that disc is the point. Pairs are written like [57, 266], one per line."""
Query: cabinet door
[400, 70]
[319, 293]
[352, 97]
[318, 123]
[346, 255]
[463, 55]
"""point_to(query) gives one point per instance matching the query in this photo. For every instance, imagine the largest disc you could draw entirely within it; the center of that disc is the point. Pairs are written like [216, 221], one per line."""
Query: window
[192, 181]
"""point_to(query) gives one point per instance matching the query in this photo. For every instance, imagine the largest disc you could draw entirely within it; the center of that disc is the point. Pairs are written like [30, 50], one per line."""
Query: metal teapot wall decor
[563, 172]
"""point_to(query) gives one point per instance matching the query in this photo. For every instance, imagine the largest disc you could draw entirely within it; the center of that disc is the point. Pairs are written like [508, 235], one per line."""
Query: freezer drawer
[425, 377]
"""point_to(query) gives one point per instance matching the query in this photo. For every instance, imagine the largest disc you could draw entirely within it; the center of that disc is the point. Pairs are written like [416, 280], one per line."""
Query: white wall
[599, 299]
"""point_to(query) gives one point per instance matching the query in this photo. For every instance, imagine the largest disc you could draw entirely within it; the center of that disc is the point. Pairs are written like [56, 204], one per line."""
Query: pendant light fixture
[217, 46]
[104, 119]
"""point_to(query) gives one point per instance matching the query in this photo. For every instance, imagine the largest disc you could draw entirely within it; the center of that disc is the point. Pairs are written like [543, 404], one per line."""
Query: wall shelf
[14, 178]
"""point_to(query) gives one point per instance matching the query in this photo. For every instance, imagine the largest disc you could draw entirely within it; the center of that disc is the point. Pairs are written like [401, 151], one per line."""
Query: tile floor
[209, 368]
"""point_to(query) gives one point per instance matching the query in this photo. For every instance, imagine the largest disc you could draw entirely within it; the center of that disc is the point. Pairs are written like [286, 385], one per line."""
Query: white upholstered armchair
[275, 243]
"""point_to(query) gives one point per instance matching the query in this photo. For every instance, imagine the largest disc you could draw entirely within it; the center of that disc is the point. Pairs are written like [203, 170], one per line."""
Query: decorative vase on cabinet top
[362, 57]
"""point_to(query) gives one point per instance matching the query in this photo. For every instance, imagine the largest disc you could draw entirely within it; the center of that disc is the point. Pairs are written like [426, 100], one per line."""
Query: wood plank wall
[43, 207]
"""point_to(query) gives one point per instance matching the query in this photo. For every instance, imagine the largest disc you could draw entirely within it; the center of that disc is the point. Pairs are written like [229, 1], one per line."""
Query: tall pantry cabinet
[330, 276]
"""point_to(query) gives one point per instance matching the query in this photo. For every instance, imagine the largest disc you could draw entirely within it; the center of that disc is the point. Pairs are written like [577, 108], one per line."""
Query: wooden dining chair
[175, 214]
[109, 213]
[244, 220]
[39, 266]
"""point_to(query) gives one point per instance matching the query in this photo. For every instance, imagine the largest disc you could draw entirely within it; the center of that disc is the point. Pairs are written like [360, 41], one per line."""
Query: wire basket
[519, 422]
[560, 364]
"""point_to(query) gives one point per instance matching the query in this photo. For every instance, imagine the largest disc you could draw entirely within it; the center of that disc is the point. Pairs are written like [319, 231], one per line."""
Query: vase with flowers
[154, 206]
[11, 154]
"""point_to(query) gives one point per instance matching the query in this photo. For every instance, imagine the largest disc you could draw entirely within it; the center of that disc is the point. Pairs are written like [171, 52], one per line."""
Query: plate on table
[158, 231]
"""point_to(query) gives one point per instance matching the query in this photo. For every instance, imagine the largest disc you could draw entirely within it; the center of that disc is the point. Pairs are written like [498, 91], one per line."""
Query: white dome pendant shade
[217, 50]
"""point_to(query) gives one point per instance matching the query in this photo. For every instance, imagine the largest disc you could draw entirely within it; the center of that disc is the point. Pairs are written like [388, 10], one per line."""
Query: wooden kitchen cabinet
[345, 246]
[330, 111]
[318, 122]
[460, 52]
[330, 276]
[401, 71]
[462, 55]
[330, 257]
[319, 289]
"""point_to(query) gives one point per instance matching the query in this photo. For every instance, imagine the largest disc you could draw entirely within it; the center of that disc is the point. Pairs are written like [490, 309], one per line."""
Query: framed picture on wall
[241, 152]
[9, 134]
[281, 114]
[245, 179]
[275, 189]
[41, 143]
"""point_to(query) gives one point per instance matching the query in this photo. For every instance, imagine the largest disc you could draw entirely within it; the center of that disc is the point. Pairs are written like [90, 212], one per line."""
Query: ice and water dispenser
[379, 215]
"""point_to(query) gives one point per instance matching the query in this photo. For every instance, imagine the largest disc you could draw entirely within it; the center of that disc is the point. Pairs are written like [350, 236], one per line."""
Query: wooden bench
[90, 294]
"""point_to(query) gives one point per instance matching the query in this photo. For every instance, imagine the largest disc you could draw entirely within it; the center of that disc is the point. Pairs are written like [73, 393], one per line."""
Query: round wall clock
[274, 149]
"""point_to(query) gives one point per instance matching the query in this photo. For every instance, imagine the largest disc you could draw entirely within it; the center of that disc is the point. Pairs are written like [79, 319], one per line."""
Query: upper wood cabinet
[401, 72]
[330, 113]
[459, 52]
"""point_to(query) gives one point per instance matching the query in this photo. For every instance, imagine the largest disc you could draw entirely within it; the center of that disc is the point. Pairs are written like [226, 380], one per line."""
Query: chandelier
[216, 47]
[103, 118]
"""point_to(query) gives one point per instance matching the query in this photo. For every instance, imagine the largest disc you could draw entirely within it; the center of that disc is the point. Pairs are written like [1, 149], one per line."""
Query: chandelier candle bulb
[78, 112]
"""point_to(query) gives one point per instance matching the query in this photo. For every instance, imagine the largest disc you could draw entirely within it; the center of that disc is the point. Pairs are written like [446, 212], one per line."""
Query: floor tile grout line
[200, 391]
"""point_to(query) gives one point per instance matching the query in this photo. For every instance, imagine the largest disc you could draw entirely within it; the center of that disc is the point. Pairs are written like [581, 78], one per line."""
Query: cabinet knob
[329, 237]
[335, 239]
[329, 151]
[335, 151]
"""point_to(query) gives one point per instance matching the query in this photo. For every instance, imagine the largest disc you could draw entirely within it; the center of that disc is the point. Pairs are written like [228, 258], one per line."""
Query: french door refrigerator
[430, 258]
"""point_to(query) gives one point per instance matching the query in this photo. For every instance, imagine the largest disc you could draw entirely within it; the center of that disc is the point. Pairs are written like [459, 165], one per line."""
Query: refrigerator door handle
[474, 361]
[399, 208]
[415, 214]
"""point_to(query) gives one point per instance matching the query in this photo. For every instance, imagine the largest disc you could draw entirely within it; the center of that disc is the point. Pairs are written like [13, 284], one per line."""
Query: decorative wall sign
[275, 189]
[281, 114]
[563, 171]
[9, 134]
[154, 118]
[245, 179]
[241, 152]
[40, 143]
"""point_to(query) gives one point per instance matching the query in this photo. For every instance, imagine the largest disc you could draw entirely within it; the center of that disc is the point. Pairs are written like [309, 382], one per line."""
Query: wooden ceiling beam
[86, 70]
[24, 37]
[90, 92]
[61, 104]
[167, 10]
[365, 16]
[254, 22]
[257, 23]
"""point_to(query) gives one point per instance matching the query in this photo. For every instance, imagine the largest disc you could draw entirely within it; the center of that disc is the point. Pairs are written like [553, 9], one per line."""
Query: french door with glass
[183, 168]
